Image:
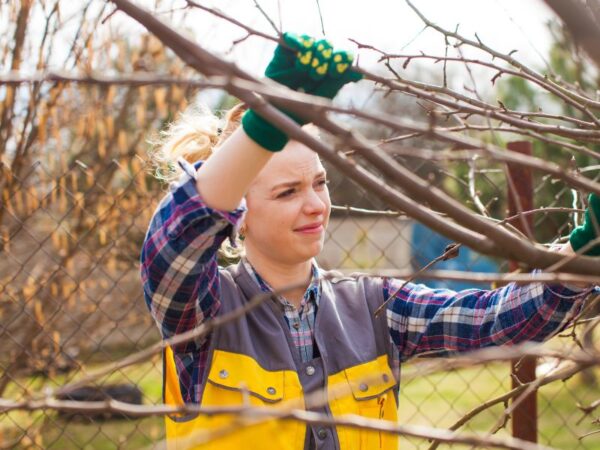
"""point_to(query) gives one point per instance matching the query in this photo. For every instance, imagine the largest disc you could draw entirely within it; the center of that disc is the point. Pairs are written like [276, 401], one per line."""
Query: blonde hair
[194, 136]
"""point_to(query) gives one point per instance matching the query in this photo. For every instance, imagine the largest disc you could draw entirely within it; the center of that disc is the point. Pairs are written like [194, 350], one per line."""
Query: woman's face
[288, 207]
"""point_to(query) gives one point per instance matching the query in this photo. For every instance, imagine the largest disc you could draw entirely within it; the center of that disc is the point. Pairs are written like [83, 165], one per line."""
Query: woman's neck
[280, 275]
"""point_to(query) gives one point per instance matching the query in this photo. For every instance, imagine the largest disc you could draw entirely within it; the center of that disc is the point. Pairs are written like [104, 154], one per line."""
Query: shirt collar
[313, 291]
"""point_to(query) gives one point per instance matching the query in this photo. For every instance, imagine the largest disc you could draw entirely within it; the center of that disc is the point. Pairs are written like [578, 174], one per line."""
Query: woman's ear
[242, 231]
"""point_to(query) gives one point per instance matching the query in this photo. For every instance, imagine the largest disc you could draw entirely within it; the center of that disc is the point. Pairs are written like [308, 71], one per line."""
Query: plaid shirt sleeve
[178, 260]
[442, 321]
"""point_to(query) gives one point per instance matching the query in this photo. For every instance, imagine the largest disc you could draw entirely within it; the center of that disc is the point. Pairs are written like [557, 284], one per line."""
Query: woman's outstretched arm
[421, 319]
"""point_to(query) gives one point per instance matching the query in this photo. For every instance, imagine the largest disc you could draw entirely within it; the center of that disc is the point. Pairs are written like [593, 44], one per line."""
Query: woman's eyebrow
[286, 184]
[289, 184]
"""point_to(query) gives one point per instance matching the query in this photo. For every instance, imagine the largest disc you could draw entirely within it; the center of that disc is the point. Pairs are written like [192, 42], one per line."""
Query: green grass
[437, 400]
[49, 430]
[440, 400]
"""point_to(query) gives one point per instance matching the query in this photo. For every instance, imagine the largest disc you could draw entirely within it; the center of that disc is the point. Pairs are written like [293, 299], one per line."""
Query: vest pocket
[371, 396]
[371, 388]
[370, 380]
[234, 380]
[244, 377]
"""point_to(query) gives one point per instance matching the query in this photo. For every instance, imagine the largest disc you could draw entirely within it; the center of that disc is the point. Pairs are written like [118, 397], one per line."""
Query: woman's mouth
[312, 228]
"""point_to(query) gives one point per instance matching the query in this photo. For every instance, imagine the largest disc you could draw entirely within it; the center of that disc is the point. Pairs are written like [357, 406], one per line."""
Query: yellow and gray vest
[253, 361]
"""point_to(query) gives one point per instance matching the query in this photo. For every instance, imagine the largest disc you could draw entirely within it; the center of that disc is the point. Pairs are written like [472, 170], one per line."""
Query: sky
[387, 24]
[390, 25]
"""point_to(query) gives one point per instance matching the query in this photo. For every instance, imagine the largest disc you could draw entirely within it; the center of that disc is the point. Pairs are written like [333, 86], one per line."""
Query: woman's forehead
[294, 163]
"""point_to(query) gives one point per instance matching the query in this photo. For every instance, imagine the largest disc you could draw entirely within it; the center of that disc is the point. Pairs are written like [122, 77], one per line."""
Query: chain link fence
[72, 302]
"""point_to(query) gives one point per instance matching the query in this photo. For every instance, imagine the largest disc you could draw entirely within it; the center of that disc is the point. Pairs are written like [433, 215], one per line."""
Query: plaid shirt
[300, 320]
[179, 273]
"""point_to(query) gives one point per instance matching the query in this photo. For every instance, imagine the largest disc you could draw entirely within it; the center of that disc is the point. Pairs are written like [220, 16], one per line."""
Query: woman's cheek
[277, 226]
[288, 215]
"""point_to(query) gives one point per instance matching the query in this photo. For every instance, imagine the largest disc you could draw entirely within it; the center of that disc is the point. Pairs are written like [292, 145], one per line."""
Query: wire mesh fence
[72, 301]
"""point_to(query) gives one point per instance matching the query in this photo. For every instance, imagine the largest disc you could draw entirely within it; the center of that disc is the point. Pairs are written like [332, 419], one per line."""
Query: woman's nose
[313, 203]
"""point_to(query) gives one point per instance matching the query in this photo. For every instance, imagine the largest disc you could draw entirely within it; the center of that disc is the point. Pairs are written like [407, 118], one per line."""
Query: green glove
[589, 230]
[312, 67]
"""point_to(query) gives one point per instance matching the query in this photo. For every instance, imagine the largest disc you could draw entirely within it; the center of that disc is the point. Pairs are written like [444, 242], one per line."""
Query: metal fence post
[520, 197]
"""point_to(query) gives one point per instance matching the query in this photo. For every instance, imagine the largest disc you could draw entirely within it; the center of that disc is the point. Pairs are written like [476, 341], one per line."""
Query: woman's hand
[306, 65]
[589, 230]
[311, 66]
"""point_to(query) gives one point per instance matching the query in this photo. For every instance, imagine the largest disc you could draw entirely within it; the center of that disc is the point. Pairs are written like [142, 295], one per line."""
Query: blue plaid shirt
[179, 273]
[300, 320]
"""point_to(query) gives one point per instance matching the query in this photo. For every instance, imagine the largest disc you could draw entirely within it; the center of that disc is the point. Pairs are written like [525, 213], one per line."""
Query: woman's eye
[286, 193]
[292, 191]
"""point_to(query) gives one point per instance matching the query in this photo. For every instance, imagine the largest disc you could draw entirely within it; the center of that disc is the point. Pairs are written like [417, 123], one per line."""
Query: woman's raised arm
[179, 256]
[226, 176]
[300, 63]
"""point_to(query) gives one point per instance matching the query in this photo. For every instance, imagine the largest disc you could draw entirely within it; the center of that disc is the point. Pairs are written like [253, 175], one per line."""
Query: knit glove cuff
[306, 65]
[588, 231]
[262, 132]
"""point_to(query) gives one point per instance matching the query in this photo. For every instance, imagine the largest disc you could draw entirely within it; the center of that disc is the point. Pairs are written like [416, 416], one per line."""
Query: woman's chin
[310, 251]
[316, 249]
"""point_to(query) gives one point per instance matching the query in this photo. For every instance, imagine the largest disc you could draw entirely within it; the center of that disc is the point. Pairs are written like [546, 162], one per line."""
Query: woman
[320, 335]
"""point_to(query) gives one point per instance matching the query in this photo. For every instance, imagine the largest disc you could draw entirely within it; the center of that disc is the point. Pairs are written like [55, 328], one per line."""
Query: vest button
[271, 390]
[223, 374]
[310, 370]
[385, 377]
[363, 387]
[322, 433]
